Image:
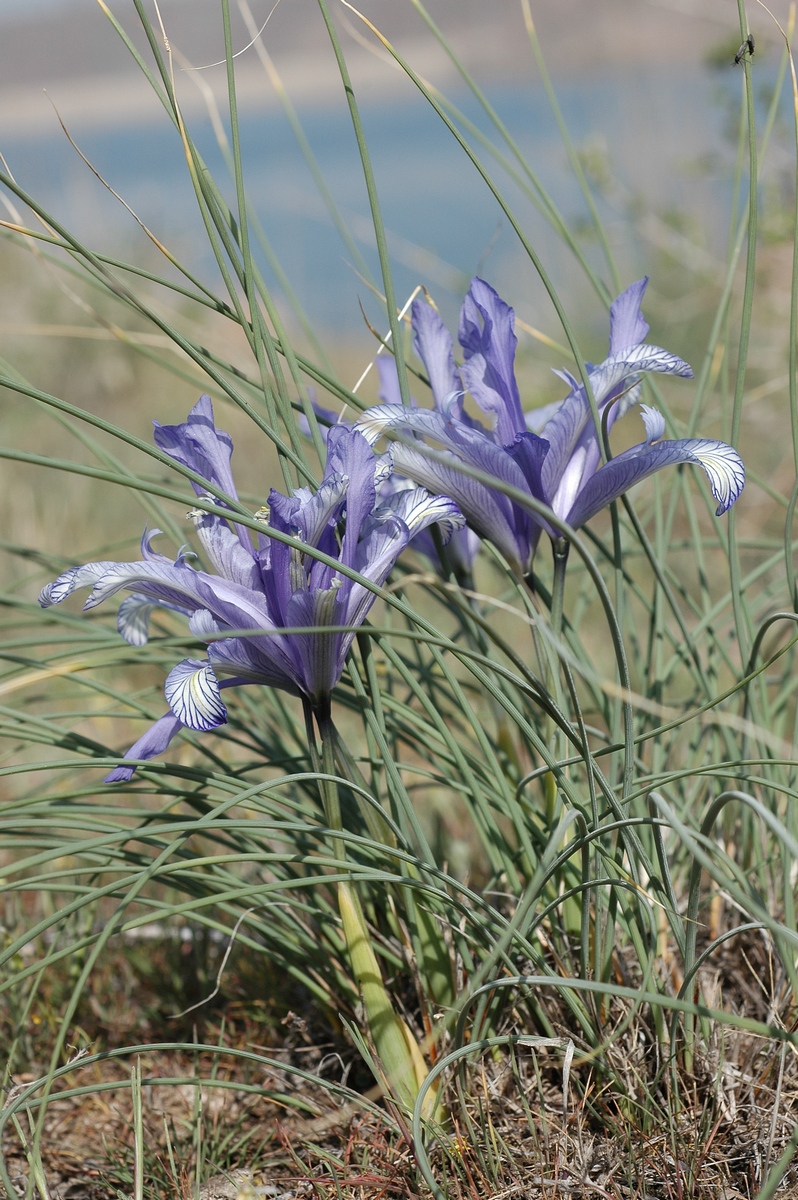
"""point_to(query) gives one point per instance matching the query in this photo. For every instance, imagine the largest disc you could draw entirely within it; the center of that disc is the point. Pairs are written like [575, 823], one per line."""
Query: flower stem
[397, 1052]
[561, 546]
[325, 765]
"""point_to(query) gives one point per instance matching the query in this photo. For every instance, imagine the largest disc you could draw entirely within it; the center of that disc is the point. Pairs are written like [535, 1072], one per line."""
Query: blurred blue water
[656, 127]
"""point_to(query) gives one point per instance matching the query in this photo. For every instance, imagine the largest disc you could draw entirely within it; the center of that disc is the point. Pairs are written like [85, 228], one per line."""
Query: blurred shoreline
[71, 61]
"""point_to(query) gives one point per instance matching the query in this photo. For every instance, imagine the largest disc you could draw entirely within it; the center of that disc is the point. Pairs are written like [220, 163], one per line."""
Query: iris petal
[722, 464]
[433, 345]
[628, 326]
[488, 339]
[724, 469]
[418, 509]
[374, 422]
[653, 421]
[149, 745]
[133, 619]
[70, 581]
[192, 693]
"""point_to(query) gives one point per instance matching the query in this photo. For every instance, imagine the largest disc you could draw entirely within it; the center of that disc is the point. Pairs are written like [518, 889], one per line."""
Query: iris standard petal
[317, 510]
[536, 419]
[389, 381]
[488, 340]
[351, 456]
[628, 327]
[433, 345]
[199, 445]
[722, 464]
[224, 550]
[321, 654]
[192, 693]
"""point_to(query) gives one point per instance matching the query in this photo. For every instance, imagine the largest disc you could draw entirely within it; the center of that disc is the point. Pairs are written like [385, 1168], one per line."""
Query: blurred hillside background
[647, 89]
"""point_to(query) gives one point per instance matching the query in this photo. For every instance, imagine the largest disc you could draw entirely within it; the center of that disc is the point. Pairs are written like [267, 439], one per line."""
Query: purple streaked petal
[383, 468]
[624, 367]
[267, 658]
[133, 619]
[628, 327]
[389, 381]
[350, 455]
[251, 663]
[571, 428]
[723, 468]
[147, 551]
[312, 518]
[192, 693]
[203, 623]
[236, 606]
[433, 345]
[380, 551]
[199, 445]
[384, 540]
[320, 654]
[318, 510]
[489, 342]
[150, 745]
[490, 513]
[722, 464]
[224, 550]
[461, 549]
[562, 433]
[528, 452]
[480, 451]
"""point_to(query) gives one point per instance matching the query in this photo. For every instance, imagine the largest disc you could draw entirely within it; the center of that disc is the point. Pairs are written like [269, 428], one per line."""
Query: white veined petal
[69, 581]
[419, 509]
[653, 421]
[634, 361]
[133, 619]
[192, 693]
[384, 468]
[202, 622]
[374, 421]
[429, 510]
[724, 469]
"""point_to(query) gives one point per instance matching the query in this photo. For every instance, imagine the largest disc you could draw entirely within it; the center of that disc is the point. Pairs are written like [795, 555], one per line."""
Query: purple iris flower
[559, 464]
[261, 589]
[463, 544]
